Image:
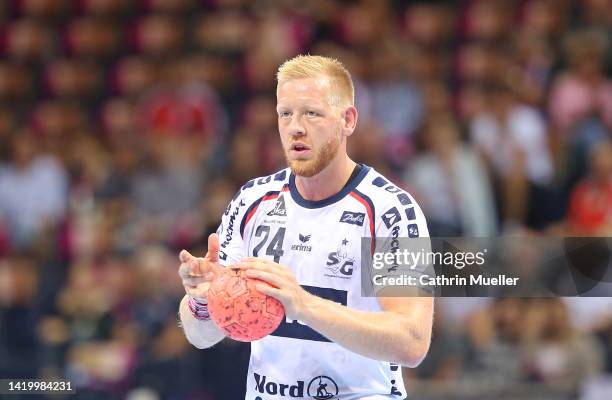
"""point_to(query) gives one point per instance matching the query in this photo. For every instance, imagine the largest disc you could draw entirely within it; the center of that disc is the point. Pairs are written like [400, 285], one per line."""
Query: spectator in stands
[451, 183]
[590, 208]
[33, 191]
[513, 137]
[555, 351]
[583, 91]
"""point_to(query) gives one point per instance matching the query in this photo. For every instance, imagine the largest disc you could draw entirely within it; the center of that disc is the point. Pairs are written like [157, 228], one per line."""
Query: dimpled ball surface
[239, 309]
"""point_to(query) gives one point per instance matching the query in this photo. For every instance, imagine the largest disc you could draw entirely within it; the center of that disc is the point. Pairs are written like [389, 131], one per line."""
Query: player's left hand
[282, 284]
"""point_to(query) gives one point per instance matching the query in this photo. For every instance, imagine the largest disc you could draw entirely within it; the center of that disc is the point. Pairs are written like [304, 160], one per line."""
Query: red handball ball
[239, 309]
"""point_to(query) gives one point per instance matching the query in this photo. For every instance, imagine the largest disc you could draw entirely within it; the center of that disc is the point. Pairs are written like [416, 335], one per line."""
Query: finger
[267, 277]
[185, 270]
[185, 256]
[213, 248]
[209, 269]
[255, 263]
[258, 266]
[270, 291]
[263, 261]
[257, 259]
[197, 267]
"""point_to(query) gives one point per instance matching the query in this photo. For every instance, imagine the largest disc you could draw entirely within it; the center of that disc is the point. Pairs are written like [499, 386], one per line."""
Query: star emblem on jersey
[279, 208]
[391, 217]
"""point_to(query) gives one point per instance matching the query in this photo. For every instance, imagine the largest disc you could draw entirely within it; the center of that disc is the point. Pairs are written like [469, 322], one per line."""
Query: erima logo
[279, 208]
[354, 218]
[391, 217]
[319, 388]
[302, 247]
[230, 225]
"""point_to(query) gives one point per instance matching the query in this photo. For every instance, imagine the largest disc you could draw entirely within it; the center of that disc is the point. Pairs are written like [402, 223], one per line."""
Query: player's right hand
[197, 272]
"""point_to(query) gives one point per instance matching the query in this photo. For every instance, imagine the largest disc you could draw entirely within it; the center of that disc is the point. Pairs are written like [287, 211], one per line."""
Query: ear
[349, 120]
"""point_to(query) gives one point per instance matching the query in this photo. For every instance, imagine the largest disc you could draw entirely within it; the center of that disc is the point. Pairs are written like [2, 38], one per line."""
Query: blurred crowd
[126, 127]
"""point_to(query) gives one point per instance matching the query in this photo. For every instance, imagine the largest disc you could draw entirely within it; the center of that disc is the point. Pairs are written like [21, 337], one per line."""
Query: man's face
[310, 127]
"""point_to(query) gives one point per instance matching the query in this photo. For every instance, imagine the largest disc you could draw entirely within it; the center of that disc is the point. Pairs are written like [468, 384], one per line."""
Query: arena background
[126, 127]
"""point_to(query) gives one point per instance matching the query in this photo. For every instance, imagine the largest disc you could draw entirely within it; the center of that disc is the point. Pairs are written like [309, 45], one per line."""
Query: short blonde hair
[307, 66]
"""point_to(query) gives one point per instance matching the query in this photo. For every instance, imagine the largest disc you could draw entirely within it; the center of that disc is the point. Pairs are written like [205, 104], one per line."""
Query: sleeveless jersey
[320, 241]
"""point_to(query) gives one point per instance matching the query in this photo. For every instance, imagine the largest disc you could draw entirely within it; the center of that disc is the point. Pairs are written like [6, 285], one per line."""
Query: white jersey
[320, 241]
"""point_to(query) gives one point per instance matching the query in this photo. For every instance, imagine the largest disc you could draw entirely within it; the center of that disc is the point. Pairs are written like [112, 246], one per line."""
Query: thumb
[213, 247]
[185, 256]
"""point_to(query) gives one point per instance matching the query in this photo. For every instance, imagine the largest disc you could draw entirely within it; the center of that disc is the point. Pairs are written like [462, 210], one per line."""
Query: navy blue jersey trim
[349, 187]
[247, 215]
[249, 212]
[370, 203]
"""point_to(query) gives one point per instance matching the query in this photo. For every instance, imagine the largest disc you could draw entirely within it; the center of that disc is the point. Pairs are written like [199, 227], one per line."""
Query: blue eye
[284, 114]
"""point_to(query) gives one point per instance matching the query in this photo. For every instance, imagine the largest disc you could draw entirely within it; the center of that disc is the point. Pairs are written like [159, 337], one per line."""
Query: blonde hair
[307, 66]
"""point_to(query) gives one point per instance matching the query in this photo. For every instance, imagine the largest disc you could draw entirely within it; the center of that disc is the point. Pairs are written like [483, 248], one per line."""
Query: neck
[327, 182]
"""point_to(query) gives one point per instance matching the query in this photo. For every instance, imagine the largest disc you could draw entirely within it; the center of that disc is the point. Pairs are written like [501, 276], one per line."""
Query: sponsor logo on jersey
[340, 263]
[265, 385]
[229, 232]
[379, 182]
[413, 230]
[394, 248]
[279, 208]
[322, 388]
[391, 217]
[404, 199]
[302, 246]
[319, 388]
[394, 390]
[354, 218]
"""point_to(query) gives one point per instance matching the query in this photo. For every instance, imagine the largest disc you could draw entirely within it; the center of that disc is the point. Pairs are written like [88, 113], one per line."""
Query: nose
[296, 128]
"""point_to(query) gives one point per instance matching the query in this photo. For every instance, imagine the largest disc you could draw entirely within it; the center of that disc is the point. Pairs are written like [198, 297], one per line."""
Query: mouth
[299, 149]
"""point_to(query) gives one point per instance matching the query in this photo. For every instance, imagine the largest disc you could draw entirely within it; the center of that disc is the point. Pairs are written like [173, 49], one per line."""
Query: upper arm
[401, 231]
[402, 227]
